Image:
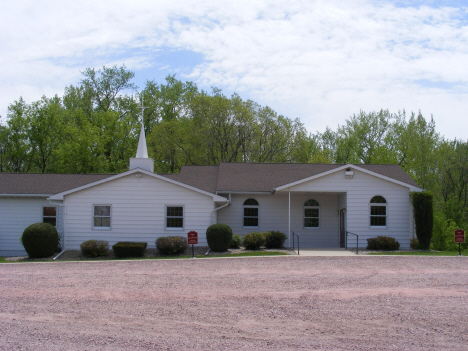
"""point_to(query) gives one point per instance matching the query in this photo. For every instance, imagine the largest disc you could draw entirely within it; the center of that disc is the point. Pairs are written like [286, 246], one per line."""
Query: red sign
[192, 237]
[459, 236]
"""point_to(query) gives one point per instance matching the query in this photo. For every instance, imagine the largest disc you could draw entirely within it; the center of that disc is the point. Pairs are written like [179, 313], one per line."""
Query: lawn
[242, 254]
[421, 253]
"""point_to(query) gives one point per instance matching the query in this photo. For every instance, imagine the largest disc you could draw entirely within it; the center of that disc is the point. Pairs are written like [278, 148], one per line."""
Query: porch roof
[266, 177]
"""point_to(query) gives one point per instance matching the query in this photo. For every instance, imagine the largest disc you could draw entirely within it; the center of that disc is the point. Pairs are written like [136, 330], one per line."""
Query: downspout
[218, 208]
[227, 204]
[64, 215]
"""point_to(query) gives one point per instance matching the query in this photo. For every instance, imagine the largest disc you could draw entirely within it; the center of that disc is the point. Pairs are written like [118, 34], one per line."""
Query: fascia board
[244, 192]
[60, 196]
[406, 185]
[25, 195]
[282, 187]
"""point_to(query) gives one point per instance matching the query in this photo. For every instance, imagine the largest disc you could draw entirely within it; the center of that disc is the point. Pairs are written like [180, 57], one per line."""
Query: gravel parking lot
[269, 303]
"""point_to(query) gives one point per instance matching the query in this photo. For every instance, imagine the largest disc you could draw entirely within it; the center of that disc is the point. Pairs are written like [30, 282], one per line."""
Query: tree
[45, 132]
[18, 152]
[102, 87]
[423, 217]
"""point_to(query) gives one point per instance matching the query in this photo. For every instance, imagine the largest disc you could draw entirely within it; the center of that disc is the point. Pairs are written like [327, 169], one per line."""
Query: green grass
[421, 253]
[242, 254]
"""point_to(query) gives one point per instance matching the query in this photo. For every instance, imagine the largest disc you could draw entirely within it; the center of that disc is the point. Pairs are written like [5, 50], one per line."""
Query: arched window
[251, 213]
[311, 214]
[378, 211]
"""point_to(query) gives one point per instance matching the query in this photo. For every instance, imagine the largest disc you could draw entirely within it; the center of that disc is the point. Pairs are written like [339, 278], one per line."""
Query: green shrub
[40, 240]
[384, 243]
[94, 248]
[443, 234]
[423, 217]
[129, 249]
[219, 237]
[171, 245]
[253, 241]
[236, 241]
[274, 240]
[414, 244]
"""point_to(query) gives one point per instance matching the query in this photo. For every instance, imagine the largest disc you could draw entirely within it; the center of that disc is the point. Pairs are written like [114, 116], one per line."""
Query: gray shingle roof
[39, 183]
[227, 177]
[201, 177]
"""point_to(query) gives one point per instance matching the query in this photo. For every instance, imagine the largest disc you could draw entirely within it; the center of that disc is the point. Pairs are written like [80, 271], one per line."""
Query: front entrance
[342, 227]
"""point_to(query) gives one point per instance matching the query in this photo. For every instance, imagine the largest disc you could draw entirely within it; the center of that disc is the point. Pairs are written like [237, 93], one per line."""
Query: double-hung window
[175, 217]
[49, 215]
[102, 216]
[378, 211]
[251, 213]
[311, 214]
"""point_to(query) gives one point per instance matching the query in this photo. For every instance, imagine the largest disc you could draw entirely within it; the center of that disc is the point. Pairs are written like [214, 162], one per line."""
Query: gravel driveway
[269, 303]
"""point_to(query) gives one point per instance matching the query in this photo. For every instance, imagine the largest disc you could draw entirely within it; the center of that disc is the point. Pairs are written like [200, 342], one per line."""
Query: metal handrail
[298, 246]
[357, 241]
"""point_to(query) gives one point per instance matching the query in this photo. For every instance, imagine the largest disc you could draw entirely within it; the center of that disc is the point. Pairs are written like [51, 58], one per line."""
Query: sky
[319, 61]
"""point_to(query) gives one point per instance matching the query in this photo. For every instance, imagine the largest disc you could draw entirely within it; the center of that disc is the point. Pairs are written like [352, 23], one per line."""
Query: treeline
[94, 127]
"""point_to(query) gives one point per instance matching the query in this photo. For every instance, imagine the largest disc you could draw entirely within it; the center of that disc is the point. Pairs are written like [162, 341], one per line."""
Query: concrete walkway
[326, 252]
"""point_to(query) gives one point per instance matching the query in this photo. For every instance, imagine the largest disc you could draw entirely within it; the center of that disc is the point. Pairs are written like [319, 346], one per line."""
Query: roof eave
[215, 197]
[244, 192]
[356, 167]
[25, 195]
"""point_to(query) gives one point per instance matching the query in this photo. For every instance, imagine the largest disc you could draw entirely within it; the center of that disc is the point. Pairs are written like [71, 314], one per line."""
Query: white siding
[273, 215]
[138, 211]
[360, 190]
[16, 214]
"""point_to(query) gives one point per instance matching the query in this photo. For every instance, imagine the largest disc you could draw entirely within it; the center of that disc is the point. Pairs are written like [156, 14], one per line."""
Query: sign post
[192, 238]
[459, 238]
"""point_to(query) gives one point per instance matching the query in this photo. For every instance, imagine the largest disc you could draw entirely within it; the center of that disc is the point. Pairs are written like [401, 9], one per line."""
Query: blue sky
[321, 61]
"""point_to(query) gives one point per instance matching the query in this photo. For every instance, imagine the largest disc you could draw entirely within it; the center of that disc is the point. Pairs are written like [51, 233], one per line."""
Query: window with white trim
[251, 213]
[311, 214]
[378, 211]
[175, 217]
[49, 215]
[102, 216]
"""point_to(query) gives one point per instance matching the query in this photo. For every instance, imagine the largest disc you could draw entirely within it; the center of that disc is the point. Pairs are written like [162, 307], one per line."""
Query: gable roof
[44, 183]
[225, 178]
[266, 177]
[392, 174]
[60, 196]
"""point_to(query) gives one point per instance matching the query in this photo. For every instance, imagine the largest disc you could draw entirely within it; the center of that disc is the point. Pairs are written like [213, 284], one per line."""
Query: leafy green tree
[18, 152]
[45, 132]
[103, 86]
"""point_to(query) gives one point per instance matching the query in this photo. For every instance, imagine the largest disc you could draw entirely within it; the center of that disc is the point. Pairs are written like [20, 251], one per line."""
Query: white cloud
[321, 61]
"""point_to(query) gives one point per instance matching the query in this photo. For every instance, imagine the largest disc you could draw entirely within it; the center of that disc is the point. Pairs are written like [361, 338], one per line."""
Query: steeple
[142, 151]
[142, 160]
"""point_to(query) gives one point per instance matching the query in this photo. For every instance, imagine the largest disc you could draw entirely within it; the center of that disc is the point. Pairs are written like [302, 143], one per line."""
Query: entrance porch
[319, 217]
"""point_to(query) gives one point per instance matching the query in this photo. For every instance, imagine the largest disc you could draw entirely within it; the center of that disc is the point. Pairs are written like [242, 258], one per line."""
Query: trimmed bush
[274, 240]
[236, 241]
[219, 237]
[253, 241]
[129, 249]
[383, 243]
[171, 245]
[423, 217]
[415, 245]
[40, 240]
[94, 248]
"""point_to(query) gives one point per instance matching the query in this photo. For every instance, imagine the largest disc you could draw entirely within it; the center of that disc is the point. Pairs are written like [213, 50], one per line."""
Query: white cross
[142, 108]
